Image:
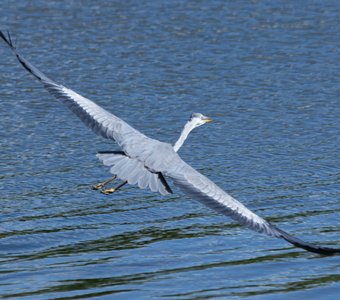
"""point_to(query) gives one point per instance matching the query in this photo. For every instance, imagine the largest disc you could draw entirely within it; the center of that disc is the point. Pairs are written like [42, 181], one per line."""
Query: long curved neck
[184, 134]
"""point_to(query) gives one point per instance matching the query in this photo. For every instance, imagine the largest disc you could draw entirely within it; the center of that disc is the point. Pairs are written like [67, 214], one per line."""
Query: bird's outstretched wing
[160, 157]
[134, 171]
[204, 190]
[92, 115]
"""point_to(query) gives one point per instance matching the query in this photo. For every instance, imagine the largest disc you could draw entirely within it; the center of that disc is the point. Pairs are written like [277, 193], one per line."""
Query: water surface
[266, 72]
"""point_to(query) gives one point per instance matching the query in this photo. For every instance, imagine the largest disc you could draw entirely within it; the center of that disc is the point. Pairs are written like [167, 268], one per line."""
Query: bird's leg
[100, 185]
[112, 190]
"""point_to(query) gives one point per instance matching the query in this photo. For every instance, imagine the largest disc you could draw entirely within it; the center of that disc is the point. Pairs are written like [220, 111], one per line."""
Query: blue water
[265, 71]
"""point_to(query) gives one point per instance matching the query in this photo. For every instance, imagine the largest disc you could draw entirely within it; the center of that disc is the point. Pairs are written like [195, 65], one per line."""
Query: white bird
[127, 169]
[148, 162]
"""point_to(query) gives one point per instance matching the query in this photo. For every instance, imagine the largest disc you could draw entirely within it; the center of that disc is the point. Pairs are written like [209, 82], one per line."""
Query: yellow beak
[208, 120]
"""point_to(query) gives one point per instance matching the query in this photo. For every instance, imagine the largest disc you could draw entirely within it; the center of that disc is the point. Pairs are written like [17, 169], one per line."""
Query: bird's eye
[195, 115]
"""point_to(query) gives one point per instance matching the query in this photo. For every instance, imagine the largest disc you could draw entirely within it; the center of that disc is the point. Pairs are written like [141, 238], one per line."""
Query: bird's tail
[304, 245]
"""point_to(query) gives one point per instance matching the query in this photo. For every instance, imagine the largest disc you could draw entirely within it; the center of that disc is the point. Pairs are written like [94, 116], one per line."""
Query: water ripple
[264, 71]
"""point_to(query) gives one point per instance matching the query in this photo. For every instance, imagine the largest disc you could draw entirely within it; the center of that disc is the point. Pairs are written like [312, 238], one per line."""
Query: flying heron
[147, 162]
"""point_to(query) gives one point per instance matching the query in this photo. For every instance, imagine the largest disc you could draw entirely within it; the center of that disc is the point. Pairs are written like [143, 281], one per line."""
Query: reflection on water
[263, 71]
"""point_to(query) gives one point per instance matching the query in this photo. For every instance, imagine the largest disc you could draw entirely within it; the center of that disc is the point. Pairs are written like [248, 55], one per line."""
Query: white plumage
[144, 161]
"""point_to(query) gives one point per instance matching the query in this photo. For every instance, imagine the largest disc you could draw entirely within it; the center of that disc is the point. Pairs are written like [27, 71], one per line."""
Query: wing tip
[327, 251]
[35, 72]
[8, 39]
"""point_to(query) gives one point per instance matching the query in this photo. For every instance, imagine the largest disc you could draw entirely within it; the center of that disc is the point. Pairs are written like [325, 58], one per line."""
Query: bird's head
[197, 119]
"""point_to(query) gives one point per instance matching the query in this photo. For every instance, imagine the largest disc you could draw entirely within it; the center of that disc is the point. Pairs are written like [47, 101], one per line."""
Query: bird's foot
[101, 184]
[97, 186]
[108, 191]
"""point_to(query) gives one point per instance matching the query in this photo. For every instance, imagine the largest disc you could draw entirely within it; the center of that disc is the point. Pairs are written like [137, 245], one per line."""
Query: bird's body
[148, 162]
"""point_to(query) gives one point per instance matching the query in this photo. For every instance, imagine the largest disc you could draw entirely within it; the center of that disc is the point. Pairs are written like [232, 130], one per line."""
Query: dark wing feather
[204, 190]
[134, 172]
[92, 115]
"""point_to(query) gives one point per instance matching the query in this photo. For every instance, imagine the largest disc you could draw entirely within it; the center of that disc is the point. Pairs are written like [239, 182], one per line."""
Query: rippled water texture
[265, 71]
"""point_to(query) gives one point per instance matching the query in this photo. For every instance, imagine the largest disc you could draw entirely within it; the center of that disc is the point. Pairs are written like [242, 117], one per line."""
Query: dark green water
[265, 71]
